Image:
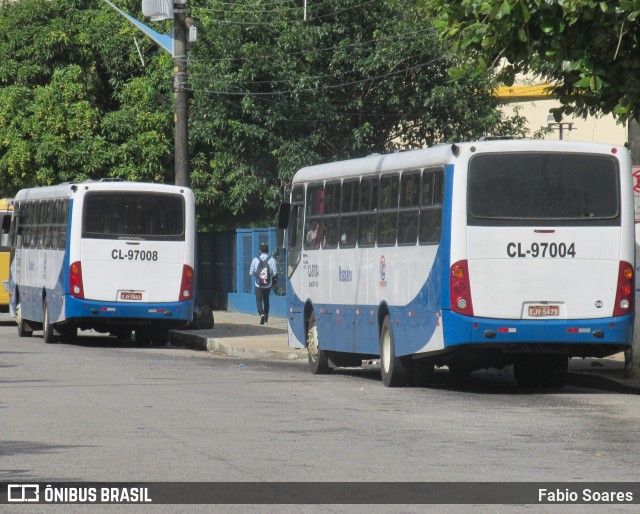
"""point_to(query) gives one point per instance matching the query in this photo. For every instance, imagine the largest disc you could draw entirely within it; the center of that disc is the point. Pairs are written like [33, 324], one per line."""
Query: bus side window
[28, 215]
[295, 229]
[408, 215]
[388, 210]
[313, 217]
[432, 191]
[62, 229]
[331, 215]
[49, 222]
[349, 214]
[368, 212]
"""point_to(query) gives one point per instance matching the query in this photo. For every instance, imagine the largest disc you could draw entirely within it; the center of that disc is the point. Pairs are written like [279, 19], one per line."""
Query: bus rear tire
[395, 371]
[543, 370]
[159, 336]
[555, 368]
[318, 359]
[68, 333]
[23, 329]
[422, 372]
[143, 336]
[48, 334]
[527, 371]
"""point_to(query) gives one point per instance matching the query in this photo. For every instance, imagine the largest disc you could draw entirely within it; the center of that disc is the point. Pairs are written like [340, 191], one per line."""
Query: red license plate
[128, 295]
[542, 311]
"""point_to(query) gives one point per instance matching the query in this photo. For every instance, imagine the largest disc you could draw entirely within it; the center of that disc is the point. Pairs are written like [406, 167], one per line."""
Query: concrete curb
[213, 345]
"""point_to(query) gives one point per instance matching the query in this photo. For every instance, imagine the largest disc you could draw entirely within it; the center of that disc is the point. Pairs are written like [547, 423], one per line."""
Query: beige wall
[602, 129]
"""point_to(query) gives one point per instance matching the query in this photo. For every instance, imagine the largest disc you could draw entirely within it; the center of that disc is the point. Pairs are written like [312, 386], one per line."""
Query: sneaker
[263, 320]
[266, 320]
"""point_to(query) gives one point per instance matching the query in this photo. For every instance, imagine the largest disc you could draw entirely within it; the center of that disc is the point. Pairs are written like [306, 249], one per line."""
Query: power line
[318, 50]
[305, 77]
[280, 22]
[280, 6]
[318, 88]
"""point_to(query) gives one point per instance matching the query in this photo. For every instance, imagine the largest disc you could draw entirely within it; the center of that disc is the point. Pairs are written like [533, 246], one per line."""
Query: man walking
[264, 269]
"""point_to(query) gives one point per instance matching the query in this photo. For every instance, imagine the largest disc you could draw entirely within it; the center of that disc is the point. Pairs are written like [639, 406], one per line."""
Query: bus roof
[69, 189]
[443, 154]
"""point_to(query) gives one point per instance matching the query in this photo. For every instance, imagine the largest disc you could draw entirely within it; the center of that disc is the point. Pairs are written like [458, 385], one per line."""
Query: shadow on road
[493, 381]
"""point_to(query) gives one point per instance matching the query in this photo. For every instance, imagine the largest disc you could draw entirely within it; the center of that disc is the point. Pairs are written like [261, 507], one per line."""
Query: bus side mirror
[283, 215]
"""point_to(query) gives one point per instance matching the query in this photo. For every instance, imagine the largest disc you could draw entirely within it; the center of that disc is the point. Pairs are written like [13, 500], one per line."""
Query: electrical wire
[323, 87]
[280, 22]
[319, 50]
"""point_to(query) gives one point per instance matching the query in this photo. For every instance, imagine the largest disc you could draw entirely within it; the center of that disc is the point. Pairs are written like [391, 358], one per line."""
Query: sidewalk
[241, 335]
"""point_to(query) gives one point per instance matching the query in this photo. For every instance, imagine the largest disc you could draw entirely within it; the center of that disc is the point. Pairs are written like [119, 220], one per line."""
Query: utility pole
[176, 45]
[181, 100]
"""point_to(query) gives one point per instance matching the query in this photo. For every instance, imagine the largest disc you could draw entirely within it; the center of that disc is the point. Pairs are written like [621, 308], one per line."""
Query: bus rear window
[543, 189]
[141, 215]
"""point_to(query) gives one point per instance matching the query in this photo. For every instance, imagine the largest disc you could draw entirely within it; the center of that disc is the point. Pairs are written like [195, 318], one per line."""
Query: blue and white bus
[470, 256]
[111, 256]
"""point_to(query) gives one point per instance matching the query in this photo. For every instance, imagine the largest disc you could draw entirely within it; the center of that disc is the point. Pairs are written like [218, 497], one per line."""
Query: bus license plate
[130, 296]
[541, 311]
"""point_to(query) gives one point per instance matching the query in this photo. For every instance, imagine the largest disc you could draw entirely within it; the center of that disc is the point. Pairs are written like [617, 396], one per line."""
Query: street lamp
[561, 126]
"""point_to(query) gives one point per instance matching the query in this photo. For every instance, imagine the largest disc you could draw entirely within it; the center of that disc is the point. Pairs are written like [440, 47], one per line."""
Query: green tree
[75, 101]
[270, 93]
[586, 49]
[273, 93]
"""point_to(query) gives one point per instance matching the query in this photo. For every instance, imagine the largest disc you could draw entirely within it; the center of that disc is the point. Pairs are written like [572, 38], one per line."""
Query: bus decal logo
[383, 272]
[344, 275]
[599, 304]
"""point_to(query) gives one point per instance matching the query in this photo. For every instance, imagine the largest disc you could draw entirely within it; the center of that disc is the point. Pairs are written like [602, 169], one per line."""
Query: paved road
[100, 410]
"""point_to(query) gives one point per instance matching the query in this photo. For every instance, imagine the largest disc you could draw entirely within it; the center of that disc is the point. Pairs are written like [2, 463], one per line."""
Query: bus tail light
[460, 289]
[186, 287]
[625, 291]
[75, 280]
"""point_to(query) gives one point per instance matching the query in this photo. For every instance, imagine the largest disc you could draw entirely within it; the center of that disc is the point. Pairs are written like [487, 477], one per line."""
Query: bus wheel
[123, 334]
[48, 334]
[554, 371]
[159, 336]
[395, 370]
[23, 329]
[527, 370]
[318, 359]
[143, 335]
[68, 333]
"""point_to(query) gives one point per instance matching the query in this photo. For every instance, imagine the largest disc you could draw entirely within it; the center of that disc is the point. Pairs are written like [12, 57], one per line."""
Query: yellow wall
[535, 104]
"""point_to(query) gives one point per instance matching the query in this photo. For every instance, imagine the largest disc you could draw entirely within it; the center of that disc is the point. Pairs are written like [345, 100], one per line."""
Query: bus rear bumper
[77, 308]
[572, 336]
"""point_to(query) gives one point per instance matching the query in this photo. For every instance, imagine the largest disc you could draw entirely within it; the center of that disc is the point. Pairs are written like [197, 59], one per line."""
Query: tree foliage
[75, 101]
[587, 49]
[273, 92]
[270, 93]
